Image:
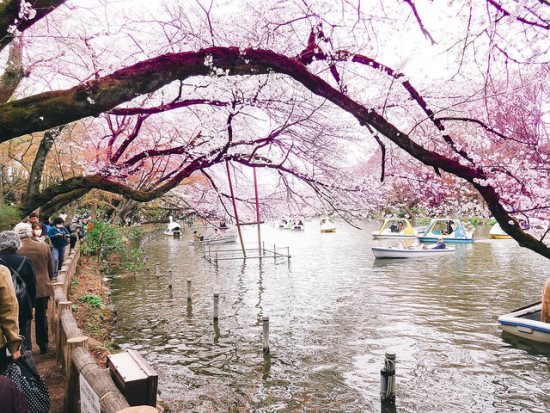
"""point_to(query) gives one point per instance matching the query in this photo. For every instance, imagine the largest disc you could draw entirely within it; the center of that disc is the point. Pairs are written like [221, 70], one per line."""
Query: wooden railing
[74, 356]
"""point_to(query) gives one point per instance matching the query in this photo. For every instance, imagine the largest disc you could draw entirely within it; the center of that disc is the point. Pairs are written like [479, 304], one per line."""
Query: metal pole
[216, 305]
[274, 253]
[265, 323]
[235, 208]
[188, 290]
[257, 212]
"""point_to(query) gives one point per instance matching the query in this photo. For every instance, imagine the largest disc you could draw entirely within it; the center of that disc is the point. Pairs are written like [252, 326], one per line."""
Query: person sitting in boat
[545, 304]
[223, 225]
[394, 227]
[197, 236]
[440, 244]
[217, 233]
[401, 226]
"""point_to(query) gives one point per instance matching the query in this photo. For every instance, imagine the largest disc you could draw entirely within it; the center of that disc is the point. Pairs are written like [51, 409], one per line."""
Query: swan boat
[173, 227]
[450, 230]
[399, 228]
[497, 232]
[410, 252]
[525, 323]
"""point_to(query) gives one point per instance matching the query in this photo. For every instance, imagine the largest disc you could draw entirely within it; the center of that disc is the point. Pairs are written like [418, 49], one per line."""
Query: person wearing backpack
[22, 267]
[42, 262]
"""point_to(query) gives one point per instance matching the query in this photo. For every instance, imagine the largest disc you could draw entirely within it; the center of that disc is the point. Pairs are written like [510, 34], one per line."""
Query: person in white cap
[42, 262]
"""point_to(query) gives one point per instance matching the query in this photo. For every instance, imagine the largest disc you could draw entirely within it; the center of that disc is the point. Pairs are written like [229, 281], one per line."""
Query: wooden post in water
[158, 269]
[188, 290]
[62, 306]
[70, 402]
[265, 335]
[216, 305]
[170, 278]
[387, 378]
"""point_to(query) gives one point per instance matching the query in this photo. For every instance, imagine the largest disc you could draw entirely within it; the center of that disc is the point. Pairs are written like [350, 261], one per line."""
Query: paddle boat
[497, 232]
[450, 230]
[327, 225]
[298, 225]
[173, 227]
[525, 323]
[215, 239]
[410, 252]
[395, 228]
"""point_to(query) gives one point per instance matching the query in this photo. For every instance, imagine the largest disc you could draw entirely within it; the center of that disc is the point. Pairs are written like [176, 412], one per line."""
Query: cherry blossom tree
[431, 81]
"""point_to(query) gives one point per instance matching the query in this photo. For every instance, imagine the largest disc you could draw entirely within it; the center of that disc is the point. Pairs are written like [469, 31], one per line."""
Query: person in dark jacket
[58, 235]
[13, 401]
[9, 320]
[9, 244]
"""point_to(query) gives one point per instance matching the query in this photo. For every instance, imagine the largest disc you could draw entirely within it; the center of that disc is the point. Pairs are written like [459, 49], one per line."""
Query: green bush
[92, 299]
[103, 241]
[9, 216]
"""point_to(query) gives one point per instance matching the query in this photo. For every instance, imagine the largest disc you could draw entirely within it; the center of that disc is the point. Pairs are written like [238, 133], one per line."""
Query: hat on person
[23, 229]
[9, 241]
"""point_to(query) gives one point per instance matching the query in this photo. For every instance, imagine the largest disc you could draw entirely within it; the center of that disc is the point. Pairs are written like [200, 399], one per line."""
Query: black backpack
[18, 282]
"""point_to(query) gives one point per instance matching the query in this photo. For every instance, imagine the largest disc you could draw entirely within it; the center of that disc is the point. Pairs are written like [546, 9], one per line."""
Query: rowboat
[398, 228]
[224, 239]
[450, 230]
[410, 252]
[525, 323]
[497, 232]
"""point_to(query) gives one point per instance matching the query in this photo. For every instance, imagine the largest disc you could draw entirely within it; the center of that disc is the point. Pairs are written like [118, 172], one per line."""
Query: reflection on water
[334, 311]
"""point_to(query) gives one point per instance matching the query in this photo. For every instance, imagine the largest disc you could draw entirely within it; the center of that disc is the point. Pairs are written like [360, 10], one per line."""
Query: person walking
[42, 262]
[9, 244]
[58, 235]
[34, 220]
[74, 230]
[9, 319]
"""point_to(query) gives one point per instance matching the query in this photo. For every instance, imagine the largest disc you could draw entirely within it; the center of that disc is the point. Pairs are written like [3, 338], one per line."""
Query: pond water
[334, 310]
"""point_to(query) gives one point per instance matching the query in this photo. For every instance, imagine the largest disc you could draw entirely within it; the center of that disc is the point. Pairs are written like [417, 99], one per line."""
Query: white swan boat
[410, 252]
[173, 227]
[398, 228]
[525, 323]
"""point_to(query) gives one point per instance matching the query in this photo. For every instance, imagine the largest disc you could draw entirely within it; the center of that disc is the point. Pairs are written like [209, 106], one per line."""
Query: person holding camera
[59, 237]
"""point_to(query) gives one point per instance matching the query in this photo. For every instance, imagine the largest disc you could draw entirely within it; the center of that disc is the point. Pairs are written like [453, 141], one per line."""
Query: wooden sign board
[89, 400]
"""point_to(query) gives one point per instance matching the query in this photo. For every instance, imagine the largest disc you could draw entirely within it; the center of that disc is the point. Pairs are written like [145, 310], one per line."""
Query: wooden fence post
[62, 306]
[70, 402]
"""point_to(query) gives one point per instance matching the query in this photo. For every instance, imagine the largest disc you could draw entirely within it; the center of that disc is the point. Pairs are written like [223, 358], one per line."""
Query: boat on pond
[173, 227]
[327, 225]
[525, 323]
[497, 232]
[449, 229]
[398, 228]
[411, 252]
[298, 225]
[214, 240]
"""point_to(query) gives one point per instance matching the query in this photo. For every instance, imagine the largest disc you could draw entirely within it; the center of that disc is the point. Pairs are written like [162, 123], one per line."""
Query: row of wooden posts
[74, 357]
[265, 320]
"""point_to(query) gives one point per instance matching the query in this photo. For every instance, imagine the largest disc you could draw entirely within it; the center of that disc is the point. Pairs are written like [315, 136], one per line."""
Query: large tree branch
[11, 20]
[53, 108]
[35, 177]
[13, 72]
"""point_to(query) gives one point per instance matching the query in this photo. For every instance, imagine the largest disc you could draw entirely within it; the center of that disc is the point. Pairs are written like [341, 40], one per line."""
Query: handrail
[72, 350]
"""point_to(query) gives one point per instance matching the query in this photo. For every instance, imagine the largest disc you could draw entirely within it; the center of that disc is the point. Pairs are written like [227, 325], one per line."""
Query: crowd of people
[31, 256]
